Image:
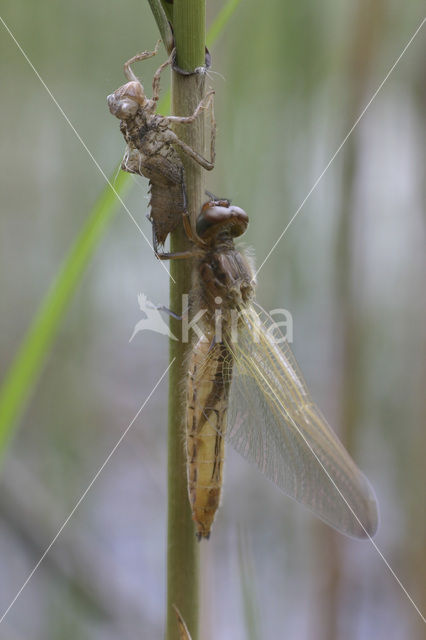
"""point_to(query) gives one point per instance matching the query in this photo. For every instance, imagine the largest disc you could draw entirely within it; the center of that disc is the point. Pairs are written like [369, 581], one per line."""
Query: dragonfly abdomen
[207, 404]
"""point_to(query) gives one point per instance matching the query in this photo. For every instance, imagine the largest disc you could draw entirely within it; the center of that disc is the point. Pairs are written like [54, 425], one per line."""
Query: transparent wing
[273, 423]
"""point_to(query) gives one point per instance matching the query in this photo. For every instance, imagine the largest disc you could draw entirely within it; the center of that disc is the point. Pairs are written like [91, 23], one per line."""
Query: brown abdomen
[167, 205]
[208, 384]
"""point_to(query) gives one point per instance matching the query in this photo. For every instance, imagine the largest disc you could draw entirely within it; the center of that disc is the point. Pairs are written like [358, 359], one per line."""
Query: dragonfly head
[219, 217]
[125, 102]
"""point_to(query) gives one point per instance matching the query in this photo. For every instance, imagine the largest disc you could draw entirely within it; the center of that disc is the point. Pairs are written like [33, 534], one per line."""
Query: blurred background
[292, 78]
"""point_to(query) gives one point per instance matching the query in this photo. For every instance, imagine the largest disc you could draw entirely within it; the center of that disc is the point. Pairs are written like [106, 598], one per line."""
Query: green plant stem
[189, 23]
[162, 21]
[182, 550]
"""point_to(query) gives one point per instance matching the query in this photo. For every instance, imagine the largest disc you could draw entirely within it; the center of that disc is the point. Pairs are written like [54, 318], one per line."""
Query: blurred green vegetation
[288, 95]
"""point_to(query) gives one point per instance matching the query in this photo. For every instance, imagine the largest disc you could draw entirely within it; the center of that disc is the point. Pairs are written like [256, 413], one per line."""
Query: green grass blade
[220, 22]
[29, 359]
[28, 362]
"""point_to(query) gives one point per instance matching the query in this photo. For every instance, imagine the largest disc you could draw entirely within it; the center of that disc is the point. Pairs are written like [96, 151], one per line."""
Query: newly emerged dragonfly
[244, 385]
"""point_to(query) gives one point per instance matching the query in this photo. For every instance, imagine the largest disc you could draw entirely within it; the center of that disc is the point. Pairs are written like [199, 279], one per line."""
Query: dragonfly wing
[273, 423]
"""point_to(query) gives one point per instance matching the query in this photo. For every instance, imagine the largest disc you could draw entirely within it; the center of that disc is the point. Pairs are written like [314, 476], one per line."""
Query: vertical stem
[182, 547]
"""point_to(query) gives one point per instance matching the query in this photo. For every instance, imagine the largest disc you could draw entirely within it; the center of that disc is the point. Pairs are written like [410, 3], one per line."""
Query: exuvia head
[125, 102]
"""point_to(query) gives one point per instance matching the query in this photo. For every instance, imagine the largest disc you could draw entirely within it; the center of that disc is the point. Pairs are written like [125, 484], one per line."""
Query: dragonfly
[244, 386]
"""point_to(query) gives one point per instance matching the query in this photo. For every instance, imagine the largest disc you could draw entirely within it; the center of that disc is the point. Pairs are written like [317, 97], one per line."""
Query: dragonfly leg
[156, 78]
[169, 312]
[206, 164]
[128, 71]
[161, 307]
[206, 102]
[191, 234]
[177, 255]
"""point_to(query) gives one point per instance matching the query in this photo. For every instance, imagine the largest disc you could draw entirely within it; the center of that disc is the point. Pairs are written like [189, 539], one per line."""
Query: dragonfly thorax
[225, 274]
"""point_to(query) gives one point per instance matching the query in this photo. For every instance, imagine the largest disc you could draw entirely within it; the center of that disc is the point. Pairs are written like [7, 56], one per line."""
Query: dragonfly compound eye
[214, 219]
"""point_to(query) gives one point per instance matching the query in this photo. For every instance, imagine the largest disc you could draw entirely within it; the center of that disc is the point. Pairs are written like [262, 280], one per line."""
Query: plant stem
[182, 549]
[162, 21]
